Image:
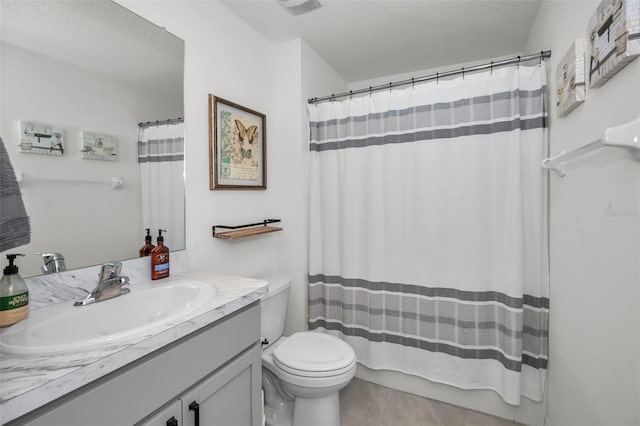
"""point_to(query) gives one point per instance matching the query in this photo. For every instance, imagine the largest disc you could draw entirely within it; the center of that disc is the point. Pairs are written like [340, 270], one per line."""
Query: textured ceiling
[360, 39]
[368, 39]
[100, 36]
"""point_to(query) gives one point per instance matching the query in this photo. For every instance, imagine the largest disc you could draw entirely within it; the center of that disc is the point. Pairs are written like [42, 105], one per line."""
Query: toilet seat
[314, 354]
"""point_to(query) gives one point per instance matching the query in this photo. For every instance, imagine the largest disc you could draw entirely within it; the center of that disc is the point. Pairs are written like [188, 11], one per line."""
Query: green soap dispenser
[14, 295]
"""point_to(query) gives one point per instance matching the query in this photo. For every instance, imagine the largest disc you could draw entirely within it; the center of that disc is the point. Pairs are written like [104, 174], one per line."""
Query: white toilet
[303, 373]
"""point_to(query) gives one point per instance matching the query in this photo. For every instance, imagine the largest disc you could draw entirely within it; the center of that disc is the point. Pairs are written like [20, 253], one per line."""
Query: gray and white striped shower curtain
[427, 232]
[161, 158]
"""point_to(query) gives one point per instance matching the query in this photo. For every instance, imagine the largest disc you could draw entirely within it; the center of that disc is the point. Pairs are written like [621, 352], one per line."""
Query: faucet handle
[109, 270]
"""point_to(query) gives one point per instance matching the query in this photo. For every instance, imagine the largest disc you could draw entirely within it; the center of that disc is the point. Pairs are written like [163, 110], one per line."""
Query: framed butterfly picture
[237, 146]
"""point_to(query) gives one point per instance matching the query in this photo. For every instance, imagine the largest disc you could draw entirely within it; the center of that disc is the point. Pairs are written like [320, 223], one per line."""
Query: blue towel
[15, 228]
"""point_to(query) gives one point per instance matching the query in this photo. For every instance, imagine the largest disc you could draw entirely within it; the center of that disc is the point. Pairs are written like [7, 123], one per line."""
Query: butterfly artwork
[246, 134]
[238, 146]
[246, 143]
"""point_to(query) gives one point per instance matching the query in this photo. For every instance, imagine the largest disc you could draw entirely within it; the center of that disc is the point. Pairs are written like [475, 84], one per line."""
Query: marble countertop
[28, 382]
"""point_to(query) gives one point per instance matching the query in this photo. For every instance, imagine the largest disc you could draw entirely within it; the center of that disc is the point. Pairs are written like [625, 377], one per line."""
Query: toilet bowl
[302, 373]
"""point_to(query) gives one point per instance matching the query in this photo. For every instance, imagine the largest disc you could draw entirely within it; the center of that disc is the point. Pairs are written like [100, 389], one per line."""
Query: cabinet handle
[172, 421]
[195, 407]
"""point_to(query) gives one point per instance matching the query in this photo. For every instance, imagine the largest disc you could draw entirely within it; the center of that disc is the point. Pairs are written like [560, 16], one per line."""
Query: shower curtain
[161, 158]
[427, 230]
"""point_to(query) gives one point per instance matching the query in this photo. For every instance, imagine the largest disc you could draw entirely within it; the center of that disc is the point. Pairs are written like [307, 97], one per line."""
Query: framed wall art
[41, 138]
[98, 146]
[571, 80]
[237, 146]
[614, 38]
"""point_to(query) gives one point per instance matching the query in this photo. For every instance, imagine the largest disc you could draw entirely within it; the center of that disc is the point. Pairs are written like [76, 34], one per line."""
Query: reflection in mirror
[96, 70]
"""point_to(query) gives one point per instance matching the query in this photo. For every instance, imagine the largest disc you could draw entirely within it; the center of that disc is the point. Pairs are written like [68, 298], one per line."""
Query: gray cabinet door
[229, 397]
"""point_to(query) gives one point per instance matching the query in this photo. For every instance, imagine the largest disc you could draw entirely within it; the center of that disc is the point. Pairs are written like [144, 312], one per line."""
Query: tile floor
[367, 404]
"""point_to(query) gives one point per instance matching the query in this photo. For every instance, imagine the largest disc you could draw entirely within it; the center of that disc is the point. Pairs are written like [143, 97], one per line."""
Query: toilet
[303, 373]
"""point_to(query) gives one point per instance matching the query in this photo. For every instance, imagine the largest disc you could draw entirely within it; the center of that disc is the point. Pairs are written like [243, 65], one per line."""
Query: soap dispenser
[14, 295]
[146, 249]
[160, 258]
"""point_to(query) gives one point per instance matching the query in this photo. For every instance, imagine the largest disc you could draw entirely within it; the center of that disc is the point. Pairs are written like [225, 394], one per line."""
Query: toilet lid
[314, 354]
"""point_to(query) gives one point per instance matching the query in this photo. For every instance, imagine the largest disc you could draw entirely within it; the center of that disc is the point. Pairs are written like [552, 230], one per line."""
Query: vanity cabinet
[218, 368]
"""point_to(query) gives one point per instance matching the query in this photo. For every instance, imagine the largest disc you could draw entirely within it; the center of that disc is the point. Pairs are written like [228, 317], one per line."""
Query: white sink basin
[64, 327]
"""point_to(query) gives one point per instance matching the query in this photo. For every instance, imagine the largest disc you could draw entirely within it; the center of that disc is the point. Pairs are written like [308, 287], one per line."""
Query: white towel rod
[626, 136]
[115, 182]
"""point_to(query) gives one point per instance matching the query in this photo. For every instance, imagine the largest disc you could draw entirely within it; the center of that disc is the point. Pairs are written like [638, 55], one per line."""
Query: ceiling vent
[298, 7]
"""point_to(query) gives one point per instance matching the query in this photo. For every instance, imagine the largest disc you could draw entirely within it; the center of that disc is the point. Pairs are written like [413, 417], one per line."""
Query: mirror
[95, 70]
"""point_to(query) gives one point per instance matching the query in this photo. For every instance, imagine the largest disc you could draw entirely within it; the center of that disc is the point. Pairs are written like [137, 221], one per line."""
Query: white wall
[290, 182]
[381, 81]
[225, 57]
[315, 78]
[88, 224]
[594, 367]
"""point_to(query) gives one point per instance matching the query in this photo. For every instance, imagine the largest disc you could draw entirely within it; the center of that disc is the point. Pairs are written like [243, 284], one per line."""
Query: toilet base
[278, 417]
[324, 411]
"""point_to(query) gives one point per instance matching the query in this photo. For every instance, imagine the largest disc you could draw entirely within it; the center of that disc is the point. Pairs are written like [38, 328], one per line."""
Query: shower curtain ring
[389, 87]
[541, 57]
[350, 94]
[370, 90]
[413, 84]
[518, 66]
[463, 73]
[437, 77]
[491, 67]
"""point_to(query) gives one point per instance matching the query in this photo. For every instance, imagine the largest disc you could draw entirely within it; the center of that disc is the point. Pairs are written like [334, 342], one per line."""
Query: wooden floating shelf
[243, 231]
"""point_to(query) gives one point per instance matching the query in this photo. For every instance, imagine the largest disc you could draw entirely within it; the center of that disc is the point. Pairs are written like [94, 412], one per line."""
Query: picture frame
[98, 146]
[41, 138]
[571, 79]
[237, 146]
[614, 39]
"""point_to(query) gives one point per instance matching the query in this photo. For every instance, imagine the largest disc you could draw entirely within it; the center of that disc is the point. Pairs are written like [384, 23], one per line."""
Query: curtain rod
[540, 56]
[159, 123]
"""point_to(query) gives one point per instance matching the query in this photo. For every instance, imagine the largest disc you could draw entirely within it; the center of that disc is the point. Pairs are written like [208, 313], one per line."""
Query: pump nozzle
[160, 237]
[11, 268]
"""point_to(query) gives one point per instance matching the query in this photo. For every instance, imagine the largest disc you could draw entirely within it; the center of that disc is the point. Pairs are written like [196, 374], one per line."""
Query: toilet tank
[273, 308]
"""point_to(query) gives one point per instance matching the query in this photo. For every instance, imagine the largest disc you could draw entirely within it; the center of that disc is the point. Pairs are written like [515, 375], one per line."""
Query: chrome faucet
[110, 284]
[53, 262]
